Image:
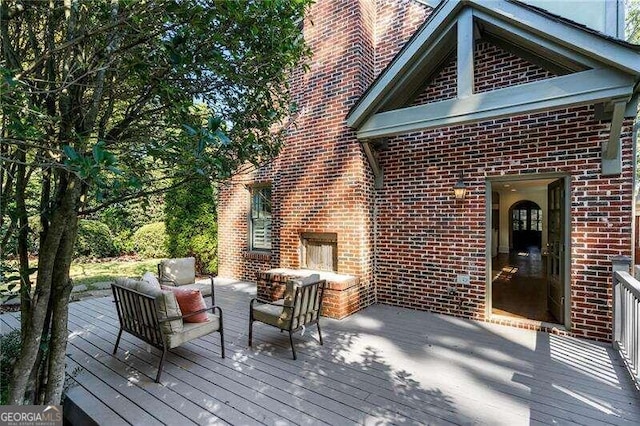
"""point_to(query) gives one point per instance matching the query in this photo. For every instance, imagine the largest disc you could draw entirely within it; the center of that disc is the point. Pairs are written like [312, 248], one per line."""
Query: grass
[90, 272]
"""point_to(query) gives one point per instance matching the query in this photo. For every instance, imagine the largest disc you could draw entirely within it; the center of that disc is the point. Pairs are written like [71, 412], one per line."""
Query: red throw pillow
[190, 300]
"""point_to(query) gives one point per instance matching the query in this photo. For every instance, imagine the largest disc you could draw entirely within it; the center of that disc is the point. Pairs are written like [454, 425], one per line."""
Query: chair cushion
[189, 300]
[127, 282]
[168, 307]
[273, 315]
[192, 331]
[182, 271]
[151, 279]
[148, 288]
[290, 288]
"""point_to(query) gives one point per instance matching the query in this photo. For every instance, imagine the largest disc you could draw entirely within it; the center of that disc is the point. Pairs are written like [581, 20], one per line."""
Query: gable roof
[573, 46]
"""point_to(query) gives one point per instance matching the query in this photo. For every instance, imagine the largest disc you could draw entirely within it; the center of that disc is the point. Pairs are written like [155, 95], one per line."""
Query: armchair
[300, 307]
[181, 272]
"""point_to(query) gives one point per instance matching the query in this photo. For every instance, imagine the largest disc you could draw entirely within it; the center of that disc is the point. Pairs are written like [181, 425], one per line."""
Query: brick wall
[426, 237]
[396, 22]
[494, 68]
[321, 181]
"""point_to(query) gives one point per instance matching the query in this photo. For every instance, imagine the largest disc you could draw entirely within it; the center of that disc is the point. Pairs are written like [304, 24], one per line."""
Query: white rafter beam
[611, 156]
[580, 88]
[465, 53]
[373, 162]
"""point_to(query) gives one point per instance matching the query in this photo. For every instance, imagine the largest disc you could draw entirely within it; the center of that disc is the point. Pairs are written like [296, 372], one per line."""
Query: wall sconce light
[460, 189]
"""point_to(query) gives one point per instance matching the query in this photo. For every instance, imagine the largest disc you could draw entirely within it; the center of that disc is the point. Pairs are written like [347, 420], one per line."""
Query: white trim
[611, 19]
[373, 162]
[588, 44]
[406, 84]
[567, 42]
[612, 156]
[537, 40]
[401, 65]
[465, 46]
[613, 146]
[581, 88]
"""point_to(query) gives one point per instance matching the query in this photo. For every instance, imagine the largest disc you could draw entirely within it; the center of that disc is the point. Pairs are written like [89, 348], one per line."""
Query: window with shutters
[260, 218]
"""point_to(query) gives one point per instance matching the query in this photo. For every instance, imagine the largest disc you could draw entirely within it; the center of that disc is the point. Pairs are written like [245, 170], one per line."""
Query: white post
[465, 53]
[619, 263]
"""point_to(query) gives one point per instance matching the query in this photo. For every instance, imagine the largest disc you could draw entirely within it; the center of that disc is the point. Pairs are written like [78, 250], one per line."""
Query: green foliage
[10, 344]
[150, 241]
[124, 218]
[191, 224]
[98, 108]
[632, 21]
[94, 240]
[10, 279]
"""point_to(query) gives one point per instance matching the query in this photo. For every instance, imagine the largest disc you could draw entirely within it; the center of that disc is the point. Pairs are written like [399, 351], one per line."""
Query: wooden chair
[300, 307]
[153, 316]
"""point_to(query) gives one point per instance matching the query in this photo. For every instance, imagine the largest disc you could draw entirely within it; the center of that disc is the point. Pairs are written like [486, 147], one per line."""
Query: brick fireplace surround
[340, 294]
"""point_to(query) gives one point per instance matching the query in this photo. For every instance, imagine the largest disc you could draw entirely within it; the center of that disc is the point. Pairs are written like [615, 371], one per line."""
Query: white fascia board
[581, 88]
[430, 3]
[591, 45]
[435, 49]
[399, 67]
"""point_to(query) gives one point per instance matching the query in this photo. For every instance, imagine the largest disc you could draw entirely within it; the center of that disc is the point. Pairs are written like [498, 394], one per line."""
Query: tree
[192, 228]
[632, 21]
[98, 106]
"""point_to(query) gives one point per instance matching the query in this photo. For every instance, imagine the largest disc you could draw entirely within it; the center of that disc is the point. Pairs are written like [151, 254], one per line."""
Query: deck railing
[626, 320]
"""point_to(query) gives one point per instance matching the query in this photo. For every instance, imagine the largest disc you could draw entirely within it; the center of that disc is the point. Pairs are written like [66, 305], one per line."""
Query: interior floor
[519, 285]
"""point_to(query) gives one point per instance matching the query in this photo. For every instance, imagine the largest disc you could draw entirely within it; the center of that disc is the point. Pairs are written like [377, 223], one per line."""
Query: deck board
[383, 365]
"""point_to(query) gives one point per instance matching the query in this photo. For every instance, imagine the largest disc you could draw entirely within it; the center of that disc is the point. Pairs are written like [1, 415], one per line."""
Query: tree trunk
[32, 327]
[23, 236]
[61, 287]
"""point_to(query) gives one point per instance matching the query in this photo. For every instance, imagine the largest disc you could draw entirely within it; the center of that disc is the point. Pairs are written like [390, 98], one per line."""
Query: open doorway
[528, 268]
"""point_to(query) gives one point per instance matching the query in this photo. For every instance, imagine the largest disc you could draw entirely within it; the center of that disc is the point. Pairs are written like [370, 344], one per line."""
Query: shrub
[94, 240]
[10, 344]
[191, 224]
[150, 241]
[123, 242]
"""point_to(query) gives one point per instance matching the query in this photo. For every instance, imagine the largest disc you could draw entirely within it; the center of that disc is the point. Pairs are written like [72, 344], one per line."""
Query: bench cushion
[127, 282]
[168, 307]
[192, 331]
[151, 279]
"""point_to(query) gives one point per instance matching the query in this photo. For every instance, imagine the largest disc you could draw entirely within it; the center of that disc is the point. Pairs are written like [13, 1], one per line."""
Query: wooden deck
[383, 365]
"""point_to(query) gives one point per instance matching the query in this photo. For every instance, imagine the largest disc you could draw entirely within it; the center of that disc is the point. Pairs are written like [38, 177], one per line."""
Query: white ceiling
[521, 185]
